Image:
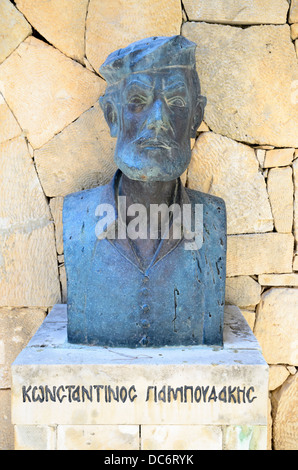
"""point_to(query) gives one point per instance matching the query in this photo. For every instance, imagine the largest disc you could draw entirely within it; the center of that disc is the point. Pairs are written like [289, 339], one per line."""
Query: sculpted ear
[110, 114]
[198, 115]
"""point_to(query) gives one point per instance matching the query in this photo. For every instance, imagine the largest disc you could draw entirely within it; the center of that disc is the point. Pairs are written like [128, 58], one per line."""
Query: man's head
[153, 106]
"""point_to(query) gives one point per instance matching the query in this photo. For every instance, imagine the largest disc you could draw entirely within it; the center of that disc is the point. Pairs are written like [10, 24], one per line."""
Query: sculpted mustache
[158, 141]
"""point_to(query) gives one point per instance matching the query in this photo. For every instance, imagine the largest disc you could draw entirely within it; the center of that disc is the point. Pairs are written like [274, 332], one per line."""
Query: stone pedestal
[68, 396]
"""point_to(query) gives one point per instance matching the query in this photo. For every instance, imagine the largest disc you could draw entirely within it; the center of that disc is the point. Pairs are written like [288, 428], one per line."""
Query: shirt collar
[109, 195]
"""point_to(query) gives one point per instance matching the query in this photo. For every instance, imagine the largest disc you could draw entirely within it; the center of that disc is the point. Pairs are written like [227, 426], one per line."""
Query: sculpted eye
[137, 100]
[176, 101]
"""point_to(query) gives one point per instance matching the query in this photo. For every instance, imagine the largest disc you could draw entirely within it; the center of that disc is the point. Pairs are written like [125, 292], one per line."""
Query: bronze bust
[137, 274]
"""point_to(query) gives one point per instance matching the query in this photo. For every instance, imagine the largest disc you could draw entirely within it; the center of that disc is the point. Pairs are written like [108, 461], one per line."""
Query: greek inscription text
[122, 394]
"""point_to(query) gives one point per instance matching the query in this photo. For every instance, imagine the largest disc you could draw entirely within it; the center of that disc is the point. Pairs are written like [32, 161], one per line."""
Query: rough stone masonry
[49, 85]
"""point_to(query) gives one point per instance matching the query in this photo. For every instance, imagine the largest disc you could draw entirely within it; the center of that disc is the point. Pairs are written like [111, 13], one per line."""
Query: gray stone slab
[237, 333]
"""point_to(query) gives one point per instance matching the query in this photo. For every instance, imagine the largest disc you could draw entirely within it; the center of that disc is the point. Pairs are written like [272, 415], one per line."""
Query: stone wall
[53, 141]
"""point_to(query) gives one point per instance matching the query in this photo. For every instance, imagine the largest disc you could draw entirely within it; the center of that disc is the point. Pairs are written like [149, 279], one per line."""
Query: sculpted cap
[148, 54]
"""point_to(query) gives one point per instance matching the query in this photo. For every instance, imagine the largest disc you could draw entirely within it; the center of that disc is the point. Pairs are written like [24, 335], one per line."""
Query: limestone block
[277, 376]
[80, 157]
[260, 154]
[97, 437]
[22, 198]
[28, 264]
[247, 75]
[278, 157]
[285, 410]
[88, 65]
[29, 268]
[295, 263]
[8, 125]
[45, 89]
[228, 169]
[56, 206]
[280, 191]
[293, 15]
[242, 291]
[276, 325]
[244, 437]
[250, 317]
[61, 22]
[126, 22]
[294, 31]
[237, 12]
[253, 253]
[17, 326]
[35, 437]
[295, 179]
[6, 434]
[13, 28]
[168, 437]
[290, 280]
[203, 127]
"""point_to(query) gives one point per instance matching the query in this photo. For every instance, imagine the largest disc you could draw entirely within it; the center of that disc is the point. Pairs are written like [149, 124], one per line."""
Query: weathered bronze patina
[157, 288]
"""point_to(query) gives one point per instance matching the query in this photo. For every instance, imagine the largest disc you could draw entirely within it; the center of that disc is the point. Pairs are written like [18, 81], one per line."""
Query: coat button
[145, 308]
[144, 291]
[145, 323]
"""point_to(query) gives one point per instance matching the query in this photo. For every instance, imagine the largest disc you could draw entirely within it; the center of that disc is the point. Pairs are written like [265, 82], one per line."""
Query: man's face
[155, 115]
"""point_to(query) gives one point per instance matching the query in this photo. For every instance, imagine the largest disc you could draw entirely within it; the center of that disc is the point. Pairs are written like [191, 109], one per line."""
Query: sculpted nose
[158, 118]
